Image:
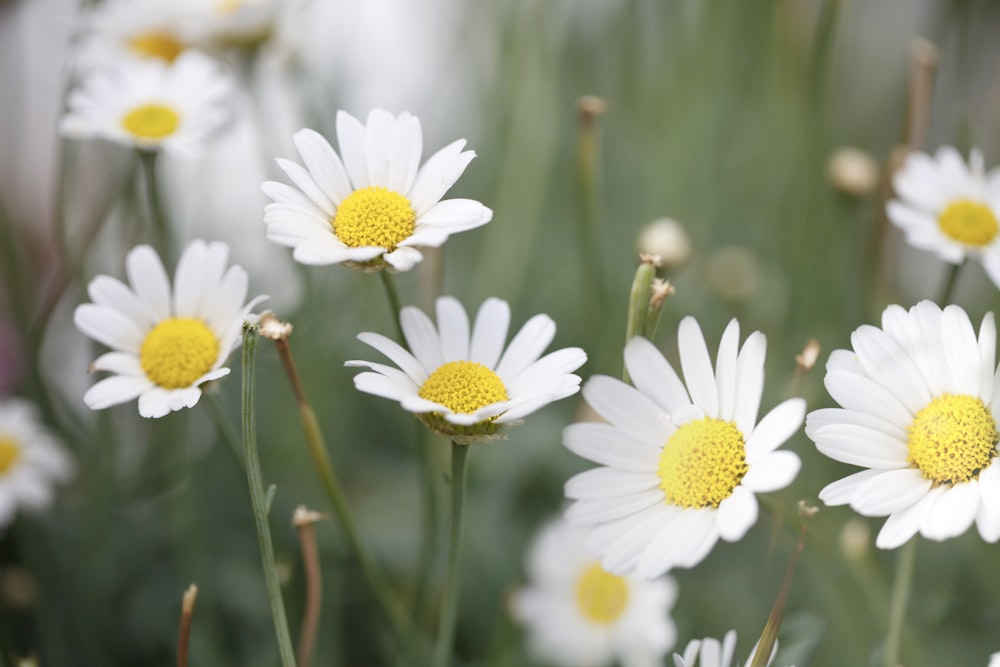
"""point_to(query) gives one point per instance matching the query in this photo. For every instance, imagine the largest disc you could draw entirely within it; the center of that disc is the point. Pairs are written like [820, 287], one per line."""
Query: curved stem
[897, 605]
[258, 498]
[950, 282]
[393, 295]
[449, 609]
[157, 215]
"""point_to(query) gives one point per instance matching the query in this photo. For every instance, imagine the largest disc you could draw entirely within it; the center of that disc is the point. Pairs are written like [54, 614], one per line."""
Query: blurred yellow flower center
[463, 386]
[10, 452]
[374, 216]
[702, 462]
[601, 596]
[178, 351]
[952, 438]
[156, 44]
[229, 6]
[969, 222]
[151, 121]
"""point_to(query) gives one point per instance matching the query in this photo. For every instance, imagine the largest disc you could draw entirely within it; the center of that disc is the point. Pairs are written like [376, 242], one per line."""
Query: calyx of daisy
[702, 463]
[151, 121]
[158, 44]
[10, 452]
[601, 597]
[970, 222]
[374, 216]
[178, 351]
[952, 439]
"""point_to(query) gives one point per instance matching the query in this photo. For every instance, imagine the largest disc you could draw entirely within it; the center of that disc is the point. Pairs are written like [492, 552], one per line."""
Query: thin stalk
[949, 283]
[303, 519]
[184, 634]
[257, 495]
[638, 302]
[589, 110]
[430, 520]
[388, 603]
[449, 609]
[394, 304]
[157, 214]
[897, 603]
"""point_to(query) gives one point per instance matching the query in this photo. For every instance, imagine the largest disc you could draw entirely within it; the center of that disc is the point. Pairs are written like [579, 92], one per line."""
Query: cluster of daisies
[681, 456]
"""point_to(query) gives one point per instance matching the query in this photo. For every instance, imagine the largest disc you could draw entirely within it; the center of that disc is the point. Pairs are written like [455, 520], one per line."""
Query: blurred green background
[721, 115]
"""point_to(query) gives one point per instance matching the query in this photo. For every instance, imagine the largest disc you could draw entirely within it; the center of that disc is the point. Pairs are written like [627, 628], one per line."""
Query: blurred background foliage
[721, 115]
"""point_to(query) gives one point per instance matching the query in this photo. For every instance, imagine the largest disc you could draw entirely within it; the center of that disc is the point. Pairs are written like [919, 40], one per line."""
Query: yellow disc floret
[10, 452]
[156, 44]
[178, 351]
[952, 438]
[601, 596]
[463, 386]
[969, 222]
[374, 216]
[151, 121]
[702, 463]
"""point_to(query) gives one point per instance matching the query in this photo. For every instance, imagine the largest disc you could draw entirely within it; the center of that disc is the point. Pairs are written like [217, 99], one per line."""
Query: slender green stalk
[897, 603]
[394, 304]
[449, 609]
[590, 109]
[257, 495]
[430, 520]
[157, 214]
[638, 303]
[950, 282]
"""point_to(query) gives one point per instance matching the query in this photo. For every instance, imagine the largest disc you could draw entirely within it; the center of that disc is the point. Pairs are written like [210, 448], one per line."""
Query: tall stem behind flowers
[258, 498]
[449, 609]
[157, 214]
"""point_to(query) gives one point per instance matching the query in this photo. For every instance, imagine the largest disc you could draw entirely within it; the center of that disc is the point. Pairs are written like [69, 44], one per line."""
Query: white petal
[725, 370]
[526, 346]
[489, 332]
[456, 215]
[772, 472]
[697, 367]
[380, 385]
[403, 258]
[149, 280]
[304, 181]
[737, 514]
[988, 522]
[750, 381]
[885, 362]
[817, 419]
[351, 141]
[407, 146]
[607, 509]
[394, 351]
[114, 390]
[860, 394]
[843, 490]
[987, 357]
[120, 363]
[889, 491]
[953, 513]
[323, 164]
[961, 349]
[608, 483]
[904, 524]
[454, 329]
[421, 337]
[989, 483]
[438, 174]
[654, 376]
[607, 445]
[319, 253]
[112, 293]
[628, 409]
[861, 446]
[108, 327]
[775, 428]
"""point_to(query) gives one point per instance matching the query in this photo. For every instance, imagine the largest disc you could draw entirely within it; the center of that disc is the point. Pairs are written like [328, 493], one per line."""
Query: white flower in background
[919, 412]
[710, 652]
[117, 30]
[234, 23]
[994, 660]
[949, 208]
[681, 463]
[32, 461]
[466, 386]
[373, 205]
[165, 342]
[152, 105]
[578, 615]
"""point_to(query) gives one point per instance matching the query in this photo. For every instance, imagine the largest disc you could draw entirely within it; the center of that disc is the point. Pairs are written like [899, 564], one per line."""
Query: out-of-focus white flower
[665, 238]
[710, 652]
[165, 342]
[32, 461]
[950, 208]
[994, 660]
[465, 385]
[119, 30]
[578, 615]
[852, 171]
[373, 205]
[152, 105]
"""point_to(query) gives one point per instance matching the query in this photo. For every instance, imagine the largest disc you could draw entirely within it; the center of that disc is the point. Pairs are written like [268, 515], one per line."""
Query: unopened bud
[734, 273]
[852, 171]
[591, 106]
[306, 517]
[659, 292]
[855, 538]
[273, 328]
[810, 353]
[666, 239]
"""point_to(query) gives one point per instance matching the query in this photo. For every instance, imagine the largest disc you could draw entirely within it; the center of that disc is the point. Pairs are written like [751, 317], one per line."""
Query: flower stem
[394, 304]
[257, 495]
[157, 215]
[897, 604]
[949, 283]
[638, 302]
[449, 609]
[184, 634]
[303, 519]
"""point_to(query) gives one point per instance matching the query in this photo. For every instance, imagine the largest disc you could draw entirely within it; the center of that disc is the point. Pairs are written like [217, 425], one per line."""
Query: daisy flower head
[918, 411]
[710, 652]
[118, 30]
[577, 615]
[994, 660]
[166, 342]
[373, 205]
[465, 385]
[681, 461]
[152, 105]
[32, 461]
[950, 208]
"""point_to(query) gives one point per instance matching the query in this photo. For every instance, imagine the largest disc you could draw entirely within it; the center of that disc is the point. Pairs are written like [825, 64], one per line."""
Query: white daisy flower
[464, 386]
[681, 465]
[165, 342]
[919, 411]
[151, 105]
[32, 461]
[117, 30]
[375, 207]
[949, 208]
[994, 660]
[713, 653]
[578, 615]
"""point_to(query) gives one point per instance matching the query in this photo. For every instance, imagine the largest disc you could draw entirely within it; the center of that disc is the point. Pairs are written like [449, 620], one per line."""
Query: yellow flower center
[151, 121]
[178, 351]
[374, 216]
[702, 463]
[229, 6]
[463, 386]
[601, 596]
[156, 44]
[952, 438]
[10, 452]
[969, 222]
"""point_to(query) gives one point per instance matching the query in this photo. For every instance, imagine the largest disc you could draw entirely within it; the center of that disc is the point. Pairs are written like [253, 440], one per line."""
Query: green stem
[588, 173]
[638, 304]
[950, 282]
[430, 521]
[449, 609]
[897, 605]
[157, 215]
[394, 304]
[257, 495]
